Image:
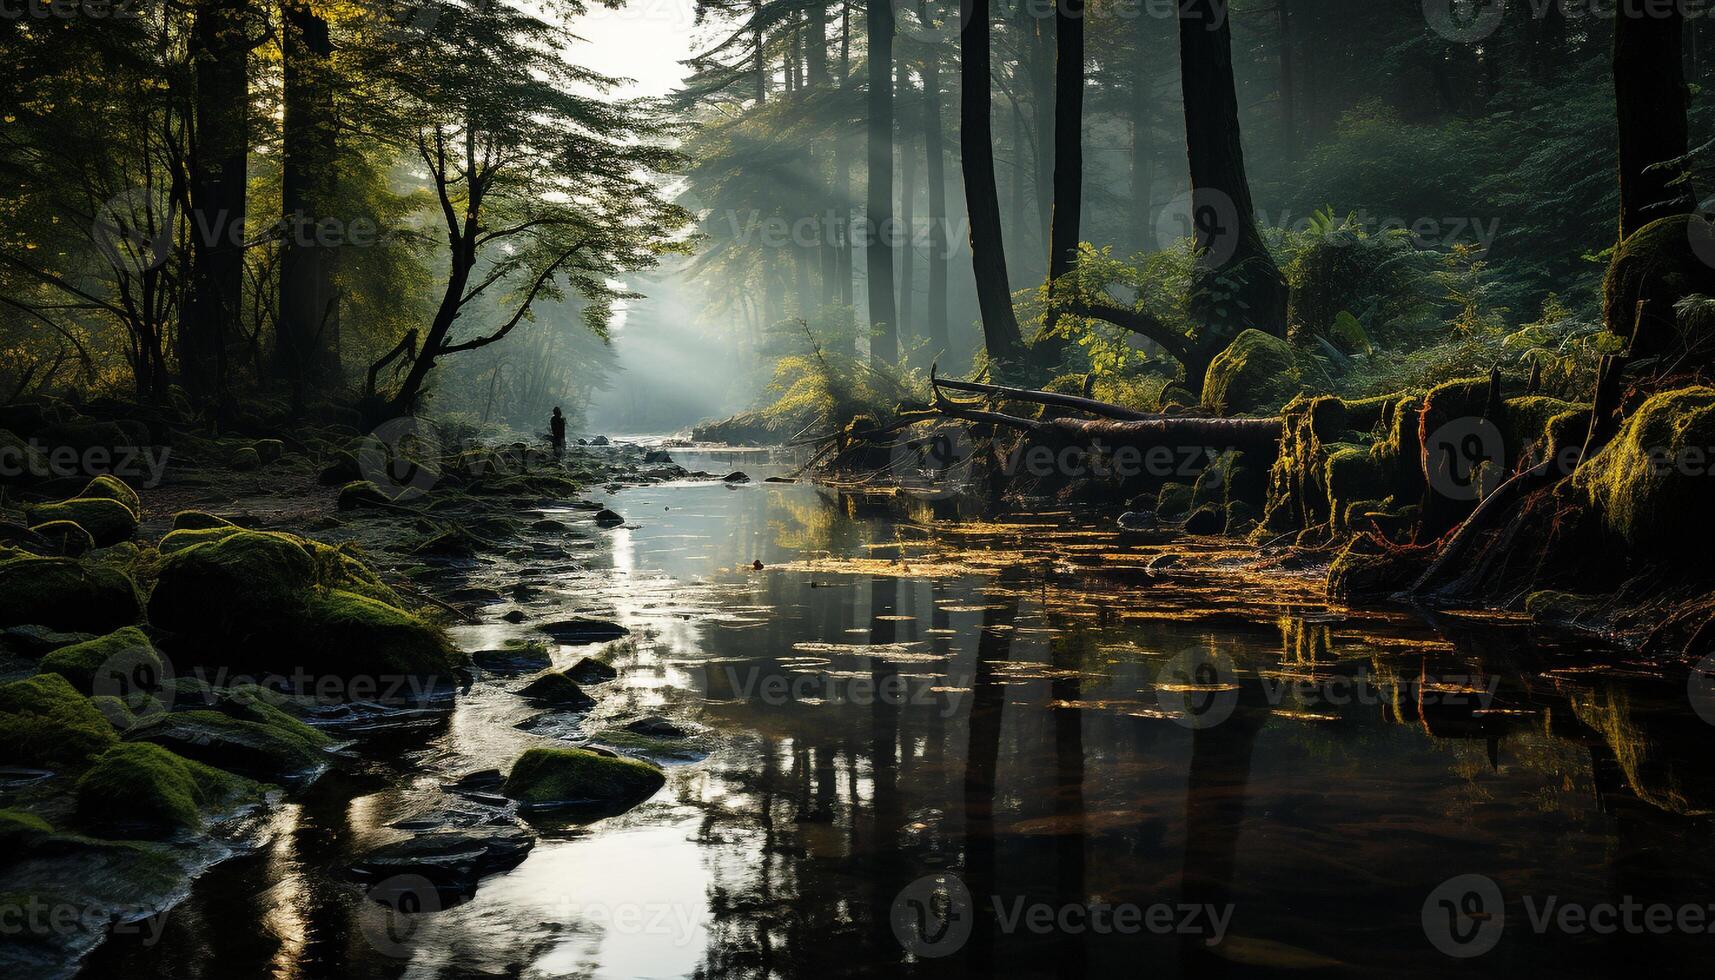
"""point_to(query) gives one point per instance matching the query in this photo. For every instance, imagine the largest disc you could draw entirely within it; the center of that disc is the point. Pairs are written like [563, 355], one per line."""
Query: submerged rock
[454, 859]
[547, 779]
[579, 631]
[521, 658]
[559, 691]
[1133, 520]
[591, 671]
[655, 726]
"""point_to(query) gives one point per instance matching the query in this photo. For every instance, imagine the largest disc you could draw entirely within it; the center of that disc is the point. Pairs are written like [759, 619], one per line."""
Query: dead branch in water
[1244, 434]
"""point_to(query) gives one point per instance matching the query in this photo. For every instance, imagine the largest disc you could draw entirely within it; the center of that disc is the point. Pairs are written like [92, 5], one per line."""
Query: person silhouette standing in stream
[557, 431]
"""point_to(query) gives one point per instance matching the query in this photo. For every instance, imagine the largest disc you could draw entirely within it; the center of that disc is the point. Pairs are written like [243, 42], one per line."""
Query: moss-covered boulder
[64, 594]
[44, 721]
[247, 736]
[269, 450]
[244, 459]
[143, 790]
[20, 831]
[108, 521]
[196, 520]
[1657, 266]
[344, 634]
[66, 538]
[580, 780]
[112, 488]
[176, 541]
[1352, 474]
[118, 663]
[362, 494]
[1257, 374]
[240, 584]
[1651, 483]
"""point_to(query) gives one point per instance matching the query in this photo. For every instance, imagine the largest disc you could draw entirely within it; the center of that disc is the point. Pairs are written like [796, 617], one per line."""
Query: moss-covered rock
[20, 831]
[1351, 475]
[361, 494]
[108, 521]
[1656, 266]
[242, 584]
[1525, 424]
[1651, 483]
[66, 538]
[269, 450]
[44, 721]
[143, 790]
[345, 634]
[248, 736]
[122, 661]
[176, 541]
[578, 779]
[67, 595]
[112, 488]
[1257, 374]
[196, 520]
[244, 459]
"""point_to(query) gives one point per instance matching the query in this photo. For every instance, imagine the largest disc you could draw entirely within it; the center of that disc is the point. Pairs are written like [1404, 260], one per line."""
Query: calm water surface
[1012, 736]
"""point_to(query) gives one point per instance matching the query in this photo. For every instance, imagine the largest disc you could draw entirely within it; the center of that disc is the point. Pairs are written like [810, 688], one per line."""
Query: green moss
[126, 650]
[113, 488]
[66, 595]
[66, 538]
[1651, 483]
[1525, 421]
[176, 541]
[345, 633]
[1549, 606]
[143, 790]
[1257, 374]
[1348, 334]
[44, 721]
[108, 521]
[1352, 474]
[546, 778]
[245, 736]
[242, 582]
[20, 830]
[196, 520]
[1174, 502]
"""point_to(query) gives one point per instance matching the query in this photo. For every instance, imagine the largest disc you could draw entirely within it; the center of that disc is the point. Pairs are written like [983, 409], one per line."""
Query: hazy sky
[643, 41]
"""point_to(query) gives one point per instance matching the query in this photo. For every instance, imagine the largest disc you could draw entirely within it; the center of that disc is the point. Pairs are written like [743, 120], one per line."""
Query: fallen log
[1243, 434]
[1090, 405]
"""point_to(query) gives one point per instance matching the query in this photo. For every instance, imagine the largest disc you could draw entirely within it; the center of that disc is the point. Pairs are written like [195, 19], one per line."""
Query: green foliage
[823, 384]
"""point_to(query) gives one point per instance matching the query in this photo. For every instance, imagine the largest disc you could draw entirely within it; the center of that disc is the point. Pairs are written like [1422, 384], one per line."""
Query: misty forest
[809, 488]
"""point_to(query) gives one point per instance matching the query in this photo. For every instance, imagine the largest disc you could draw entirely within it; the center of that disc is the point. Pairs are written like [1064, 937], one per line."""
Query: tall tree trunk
[1236, 283]
[217, 166]
[757, 39]
[1288, 81]
[982, 202]
[935, 314]
[843, 172]
[1650, 98]
[878, 212]
[1068, 137]
[304, 350]
[907, 217]
[818, 47]
[1043, 130]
